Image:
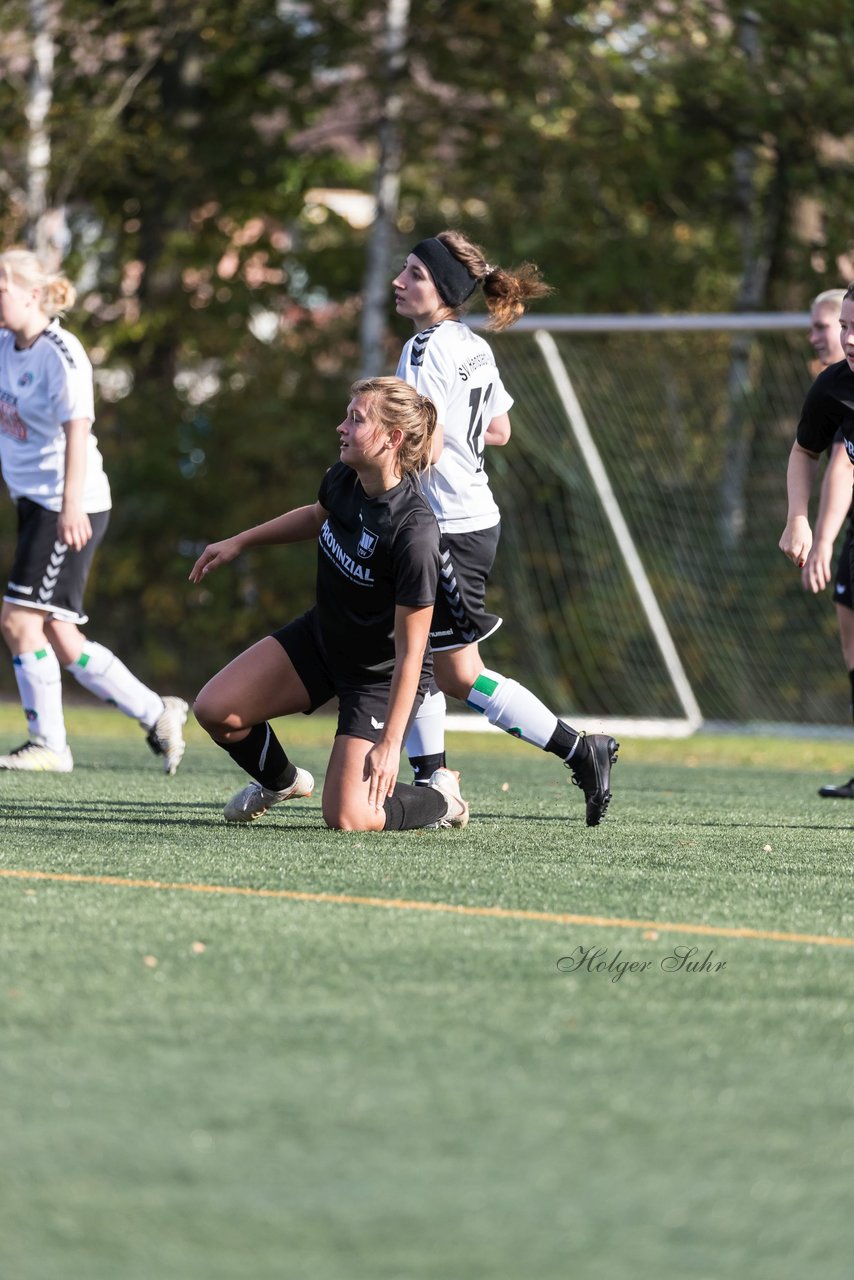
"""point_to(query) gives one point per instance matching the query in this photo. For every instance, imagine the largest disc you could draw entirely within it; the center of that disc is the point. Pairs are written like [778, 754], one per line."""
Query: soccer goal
[642, 497]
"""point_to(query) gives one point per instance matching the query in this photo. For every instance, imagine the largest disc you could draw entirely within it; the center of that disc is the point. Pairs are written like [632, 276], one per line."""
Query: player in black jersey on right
[824, 339]
[827, 417]
[364, 641]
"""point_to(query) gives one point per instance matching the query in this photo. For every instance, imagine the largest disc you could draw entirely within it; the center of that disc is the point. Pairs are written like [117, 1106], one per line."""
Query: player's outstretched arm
[300, 525]
[833, 507]
[796, 539]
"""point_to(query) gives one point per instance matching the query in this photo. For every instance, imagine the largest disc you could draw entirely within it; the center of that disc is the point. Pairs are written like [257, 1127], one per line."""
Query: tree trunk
[751, 297]
[375, 289]
[47, 232]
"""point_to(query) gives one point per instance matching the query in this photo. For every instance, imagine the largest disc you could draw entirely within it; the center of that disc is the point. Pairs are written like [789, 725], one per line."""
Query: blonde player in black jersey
[53, 470]
[365, 640]
[455, 367]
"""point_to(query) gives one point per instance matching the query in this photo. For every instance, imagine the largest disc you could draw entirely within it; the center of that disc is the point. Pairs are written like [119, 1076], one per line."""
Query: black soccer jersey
[828, 410]
[373, 554]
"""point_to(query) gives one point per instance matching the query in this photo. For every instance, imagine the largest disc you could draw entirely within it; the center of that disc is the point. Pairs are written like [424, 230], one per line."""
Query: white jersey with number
[41, 387]
[456, 369]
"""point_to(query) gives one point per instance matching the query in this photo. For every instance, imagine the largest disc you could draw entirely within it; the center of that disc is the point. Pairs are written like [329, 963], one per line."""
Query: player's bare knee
[344, 816]
[453, 685]
[455, 672]
[66, 640]
[213, 715]
[22, 629]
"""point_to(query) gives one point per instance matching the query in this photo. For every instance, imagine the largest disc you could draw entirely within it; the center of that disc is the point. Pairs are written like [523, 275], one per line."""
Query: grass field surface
[465, 1055]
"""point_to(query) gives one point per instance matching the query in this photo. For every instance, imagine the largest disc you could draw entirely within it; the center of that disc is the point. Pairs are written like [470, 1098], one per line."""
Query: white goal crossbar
[576, 419]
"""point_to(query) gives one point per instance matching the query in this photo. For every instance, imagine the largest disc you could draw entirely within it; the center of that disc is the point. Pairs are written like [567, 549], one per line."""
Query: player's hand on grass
[381, 765]
[213, 556]
[797, 540]
[815, 575]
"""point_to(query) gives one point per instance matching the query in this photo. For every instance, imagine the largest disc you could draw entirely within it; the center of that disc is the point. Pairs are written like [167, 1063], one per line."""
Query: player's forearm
[299, 525]
[293, 526]
[498, 431]
[411, 636]
[836, 494]
[800, 478]
[76, 434]
[437, 444]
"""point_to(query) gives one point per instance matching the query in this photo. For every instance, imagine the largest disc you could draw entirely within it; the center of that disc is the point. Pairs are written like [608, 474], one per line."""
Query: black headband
[453, 281]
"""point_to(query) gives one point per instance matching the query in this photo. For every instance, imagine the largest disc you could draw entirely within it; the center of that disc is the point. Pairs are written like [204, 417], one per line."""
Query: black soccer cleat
[845, 792]
[592, 772]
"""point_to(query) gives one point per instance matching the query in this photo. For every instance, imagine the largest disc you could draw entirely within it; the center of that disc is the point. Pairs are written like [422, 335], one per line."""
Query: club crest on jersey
[367, 544]
[25, 379]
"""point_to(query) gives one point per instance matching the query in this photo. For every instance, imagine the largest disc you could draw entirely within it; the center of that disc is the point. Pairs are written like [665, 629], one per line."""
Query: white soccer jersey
[40, 388]
[457, 370]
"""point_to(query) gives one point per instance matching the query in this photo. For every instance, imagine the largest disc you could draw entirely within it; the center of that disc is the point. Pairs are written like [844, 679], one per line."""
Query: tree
[222, 297]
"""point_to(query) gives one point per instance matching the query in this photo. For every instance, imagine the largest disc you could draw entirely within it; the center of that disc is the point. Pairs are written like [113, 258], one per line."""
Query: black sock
[425, 766]
[563, 740]
[412, 807]
[260, 755]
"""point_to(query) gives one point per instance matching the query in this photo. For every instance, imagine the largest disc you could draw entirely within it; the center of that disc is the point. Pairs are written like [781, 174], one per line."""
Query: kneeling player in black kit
[365, 640]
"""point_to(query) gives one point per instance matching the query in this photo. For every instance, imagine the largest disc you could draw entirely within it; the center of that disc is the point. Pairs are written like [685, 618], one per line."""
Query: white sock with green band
[426, 736]
[512, 708]
[105, 675]
[39, 681]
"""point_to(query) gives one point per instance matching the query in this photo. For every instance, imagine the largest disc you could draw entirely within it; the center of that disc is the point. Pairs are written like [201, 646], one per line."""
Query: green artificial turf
[201, 1084]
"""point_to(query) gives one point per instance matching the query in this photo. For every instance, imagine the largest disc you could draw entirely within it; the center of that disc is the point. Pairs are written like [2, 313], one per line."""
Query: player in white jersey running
[455, 367]
[55, 475]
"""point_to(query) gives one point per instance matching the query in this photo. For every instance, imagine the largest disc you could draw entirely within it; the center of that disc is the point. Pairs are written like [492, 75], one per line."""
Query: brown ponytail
[506, 293]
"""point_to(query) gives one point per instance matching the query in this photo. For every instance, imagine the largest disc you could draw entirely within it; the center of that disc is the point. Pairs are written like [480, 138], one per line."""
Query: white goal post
[573, 456]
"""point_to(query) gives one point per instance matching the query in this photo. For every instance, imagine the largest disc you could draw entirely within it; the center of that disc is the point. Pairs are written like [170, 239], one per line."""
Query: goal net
[643, 495]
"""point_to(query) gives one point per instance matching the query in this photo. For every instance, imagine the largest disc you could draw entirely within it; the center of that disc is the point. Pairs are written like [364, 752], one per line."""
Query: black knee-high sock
[412, 807]
[425, 766]
[260, 754]
[563, 740]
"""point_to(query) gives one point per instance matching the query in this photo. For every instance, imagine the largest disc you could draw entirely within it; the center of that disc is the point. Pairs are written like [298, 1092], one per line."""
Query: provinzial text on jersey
[359, 573]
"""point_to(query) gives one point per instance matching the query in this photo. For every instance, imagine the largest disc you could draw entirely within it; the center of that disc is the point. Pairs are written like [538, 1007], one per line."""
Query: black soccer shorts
[362, 706]
[46, 574]
[459, 617]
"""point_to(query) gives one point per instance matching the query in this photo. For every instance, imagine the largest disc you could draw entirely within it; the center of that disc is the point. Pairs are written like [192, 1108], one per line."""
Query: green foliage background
[608, 142]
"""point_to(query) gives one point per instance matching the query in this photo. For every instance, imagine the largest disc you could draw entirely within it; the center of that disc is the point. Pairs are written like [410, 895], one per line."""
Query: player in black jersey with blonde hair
[365, 640]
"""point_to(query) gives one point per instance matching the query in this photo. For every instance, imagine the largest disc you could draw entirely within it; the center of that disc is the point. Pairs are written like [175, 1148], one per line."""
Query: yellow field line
[446, 908]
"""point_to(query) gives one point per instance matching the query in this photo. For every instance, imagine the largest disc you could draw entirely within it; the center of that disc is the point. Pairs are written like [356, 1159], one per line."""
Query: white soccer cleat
[165, 737]
[35, 757]
[253, 801]
[448, 782]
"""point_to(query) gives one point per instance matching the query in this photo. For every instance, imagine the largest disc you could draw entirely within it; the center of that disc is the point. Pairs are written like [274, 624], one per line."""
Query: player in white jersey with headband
[455, 367]
[55, 475]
